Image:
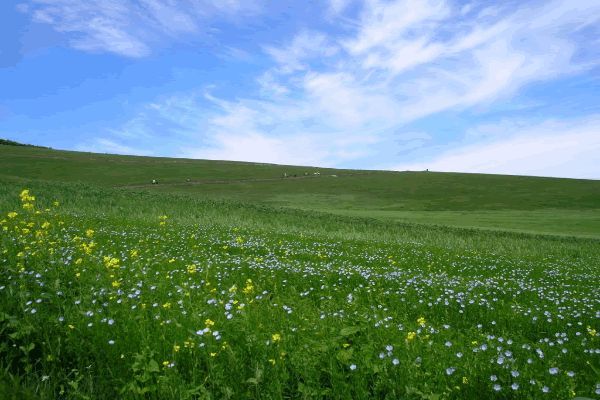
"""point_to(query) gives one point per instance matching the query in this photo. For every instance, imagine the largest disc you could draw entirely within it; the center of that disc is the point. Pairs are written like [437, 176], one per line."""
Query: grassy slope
[528, 204]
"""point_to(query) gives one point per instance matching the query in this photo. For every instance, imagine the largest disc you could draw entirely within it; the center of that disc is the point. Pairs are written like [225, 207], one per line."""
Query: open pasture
[95, 306]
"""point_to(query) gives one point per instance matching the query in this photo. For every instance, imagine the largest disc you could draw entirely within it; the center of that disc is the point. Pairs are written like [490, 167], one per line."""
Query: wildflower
[276, 337]
[553, 371]
[497, 387]
[514, 386]
[272, 361]
[352, 367]
[395, 361]
[450, 370]
[116, 284]
[89, 233]
[209, 323]
[465, 380]
[191, 269]
[176, 348]
[411, 335]
[249, 287]
[12, 214]
[111, 342]
[421, 321]
[545, 389]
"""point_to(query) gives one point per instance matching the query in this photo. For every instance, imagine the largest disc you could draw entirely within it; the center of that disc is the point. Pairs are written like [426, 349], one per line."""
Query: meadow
[113, 288]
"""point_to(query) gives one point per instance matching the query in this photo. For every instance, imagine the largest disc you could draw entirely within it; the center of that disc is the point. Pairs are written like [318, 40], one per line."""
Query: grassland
[526, 204]
[269, 287]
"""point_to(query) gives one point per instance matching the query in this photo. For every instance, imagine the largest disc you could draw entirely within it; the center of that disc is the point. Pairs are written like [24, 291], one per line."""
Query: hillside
[518, 203]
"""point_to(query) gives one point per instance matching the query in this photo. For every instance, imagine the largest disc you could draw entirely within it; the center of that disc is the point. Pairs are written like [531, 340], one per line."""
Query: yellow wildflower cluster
[88, 248]
[111, 262]
[163, 220]
[421, 321]
[191, 269]
[249, 287]
[89, 233]
[27, 199]
[276, 337]
[411, 335]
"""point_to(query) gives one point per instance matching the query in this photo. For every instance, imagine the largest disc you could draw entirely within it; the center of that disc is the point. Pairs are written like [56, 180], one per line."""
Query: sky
[506, 87]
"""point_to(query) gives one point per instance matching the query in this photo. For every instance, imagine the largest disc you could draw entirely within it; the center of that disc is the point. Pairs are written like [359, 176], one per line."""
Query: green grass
[527, 204]
[306, 288]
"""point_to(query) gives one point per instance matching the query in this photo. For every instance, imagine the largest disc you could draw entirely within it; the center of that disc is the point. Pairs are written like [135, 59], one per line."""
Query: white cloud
[552, 148]
[305, 46]
[333, 98]
[105, 145]
[128, 27]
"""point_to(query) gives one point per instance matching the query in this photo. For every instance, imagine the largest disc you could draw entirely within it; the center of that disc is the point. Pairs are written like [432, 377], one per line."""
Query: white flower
[545, 389]
[497, 387]
[395, 361]
[450, 370]
[553, 371]
[352, 367]
[493, 378]
[514, 386]
[111, 342]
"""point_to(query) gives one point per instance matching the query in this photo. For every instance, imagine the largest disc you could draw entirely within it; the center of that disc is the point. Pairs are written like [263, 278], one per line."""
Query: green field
[227, 280]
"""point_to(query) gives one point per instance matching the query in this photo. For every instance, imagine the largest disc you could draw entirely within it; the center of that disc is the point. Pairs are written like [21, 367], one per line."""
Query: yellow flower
[12, 214]
[346, 345]
[133, 253]
[249, 287]
[411, 335]
[56, 204]
[176, 348]
[46, 225]
[111, 262]
[272, 361]
[421, 321]
[465, 380]
[166, 305]
[116, 284]
[213, 354]
[165, 363]
[191, 269]
[233, 289]
[276, 337]
[209, 323]
[89, 233]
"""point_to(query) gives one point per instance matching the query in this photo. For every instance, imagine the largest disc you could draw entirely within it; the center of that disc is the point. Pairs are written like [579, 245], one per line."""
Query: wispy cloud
[105, 145]
[129, 27]
[551, 148]
[334, 96]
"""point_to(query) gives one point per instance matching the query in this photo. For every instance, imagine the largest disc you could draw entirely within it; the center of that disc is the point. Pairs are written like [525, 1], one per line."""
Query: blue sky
[506, 87]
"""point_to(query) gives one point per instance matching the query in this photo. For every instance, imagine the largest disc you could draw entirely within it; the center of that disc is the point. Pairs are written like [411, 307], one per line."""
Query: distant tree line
[7, 142]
